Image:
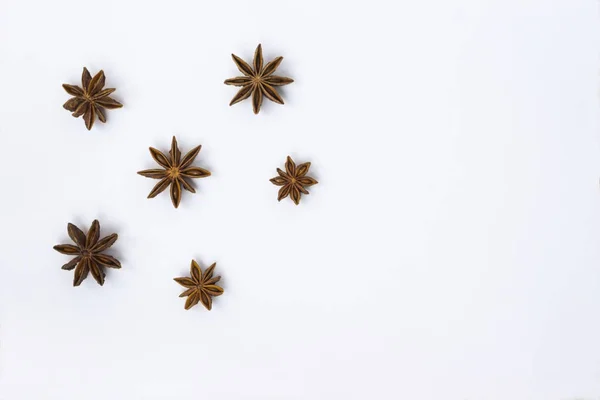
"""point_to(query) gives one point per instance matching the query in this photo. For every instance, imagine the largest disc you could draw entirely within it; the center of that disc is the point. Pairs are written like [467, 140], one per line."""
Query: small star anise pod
[293, 180]
[175, 171]
[87, 252]
[200, 286]
[258, 81]
[90, 100]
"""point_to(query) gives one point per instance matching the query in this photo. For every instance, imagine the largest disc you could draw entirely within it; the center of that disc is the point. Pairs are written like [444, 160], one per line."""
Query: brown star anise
[90, 100]
[201, 286]
[175, 171]
[258, 81]
[293, 180]
[87, 252]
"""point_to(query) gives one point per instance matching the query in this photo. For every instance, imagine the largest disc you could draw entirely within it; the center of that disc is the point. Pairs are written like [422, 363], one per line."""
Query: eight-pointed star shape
[258, 80]
[90, 100]
[201, 286]
[175, 171]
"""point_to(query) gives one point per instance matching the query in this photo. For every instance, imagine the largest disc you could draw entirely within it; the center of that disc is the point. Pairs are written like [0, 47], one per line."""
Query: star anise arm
[175, 192]
[239, 81]
[195, 271]
[279, 181]
[93, 234]
[96, 84]
[271, 67]
[81, 272]
[213, 290]
[76, 235]
[208, 273]
[73, 90]
[186, 185]
[187, 292]
[302, 169]
[195, 172]
[68, 249]
[192, 300]
[242, 66]
[108, 102]
[73, 103]
[301, 188]
[283, 192]
[159, 187]
[277, 80]
[174, 152]
[160, 158]
[89, 117]
[103, 93]
[107, 261]
[97, 272]
[257, 96]
[86, 77]
[307, 181]
[290, 166]
[185, 282]
[104, 243]
[153, 173]
[100, 113]
[71, 264]
[242, 94]
[295, 194]
[206, 300]
[271, 94]
[189, 157]
[81, 109]
[258, 59]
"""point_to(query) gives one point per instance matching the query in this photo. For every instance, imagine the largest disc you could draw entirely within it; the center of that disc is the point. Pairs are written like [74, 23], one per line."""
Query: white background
[451, 250]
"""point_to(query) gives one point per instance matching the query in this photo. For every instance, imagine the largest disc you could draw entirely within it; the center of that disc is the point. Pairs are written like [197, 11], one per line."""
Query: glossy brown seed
[258, 80]
[293, 181]
[175, 173]
[200, 286]
[88, 251]
[90, 100]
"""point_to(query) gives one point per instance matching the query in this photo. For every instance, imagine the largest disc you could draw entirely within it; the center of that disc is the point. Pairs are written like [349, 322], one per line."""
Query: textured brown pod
[200, 286]
[293, 180]
[87, 253]
[258, 80]
[175, 171]
[91, 99]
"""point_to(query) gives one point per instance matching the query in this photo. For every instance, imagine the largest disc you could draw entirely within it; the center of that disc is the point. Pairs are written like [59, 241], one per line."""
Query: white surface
[451, 250]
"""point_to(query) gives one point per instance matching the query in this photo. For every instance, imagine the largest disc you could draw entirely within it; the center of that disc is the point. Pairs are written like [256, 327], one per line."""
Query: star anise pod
[87, 252]
[293, 181]
[90, 100]
[258, 80]
[175, 171]
[200, 286]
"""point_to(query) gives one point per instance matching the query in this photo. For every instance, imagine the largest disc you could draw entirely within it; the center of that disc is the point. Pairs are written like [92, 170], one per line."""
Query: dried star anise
[90, 100]
[200, 286]
[87, 252]
[293, 180]
[175, 171]
[257, 81]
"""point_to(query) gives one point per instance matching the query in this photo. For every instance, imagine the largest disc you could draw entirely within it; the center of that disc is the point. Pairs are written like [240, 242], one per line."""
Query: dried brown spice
[200, 286]
[87, 252]
[90, 100]
[258, 80]
[293, 181]
[175, 171]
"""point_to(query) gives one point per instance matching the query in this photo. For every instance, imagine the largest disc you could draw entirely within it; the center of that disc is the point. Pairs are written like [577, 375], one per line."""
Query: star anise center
[174, 172]
[86, 253]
